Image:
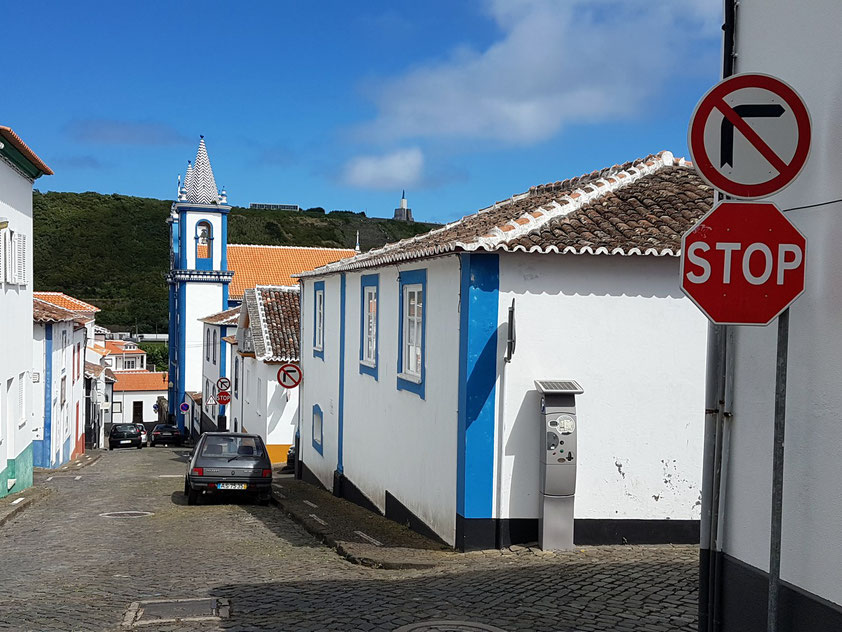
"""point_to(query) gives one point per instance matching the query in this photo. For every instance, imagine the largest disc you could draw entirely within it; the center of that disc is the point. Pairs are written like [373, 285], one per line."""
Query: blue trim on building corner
[319, 286]
[478, 323]
[173, 350]
[224, 252]
[318, 446]
[182, 333]
[41, 448]
[369, 280]
[413, 277]
[341, 412]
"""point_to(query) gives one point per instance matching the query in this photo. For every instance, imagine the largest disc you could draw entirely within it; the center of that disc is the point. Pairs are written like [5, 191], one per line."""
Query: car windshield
[229, 447]
[124, 428]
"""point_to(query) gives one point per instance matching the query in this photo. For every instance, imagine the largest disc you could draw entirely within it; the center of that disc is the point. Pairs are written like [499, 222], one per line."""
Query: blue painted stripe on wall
[341, 419]
[478, 319]
[172, 341]
[224, 246]
[182, 300]
[42, 447]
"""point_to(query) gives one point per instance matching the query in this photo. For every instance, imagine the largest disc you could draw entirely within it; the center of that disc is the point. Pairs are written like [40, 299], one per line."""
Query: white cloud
[395, 170]
[556, 63]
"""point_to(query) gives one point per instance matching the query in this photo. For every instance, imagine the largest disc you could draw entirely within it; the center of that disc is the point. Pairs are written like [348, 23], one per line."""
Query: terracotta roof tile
[93, 370]
[44, 312]
[228, 317]
[232, 340]
[140, 381]
[275, 331]
[275, 265]
[22, 147]
[641, 207]
[67, 302]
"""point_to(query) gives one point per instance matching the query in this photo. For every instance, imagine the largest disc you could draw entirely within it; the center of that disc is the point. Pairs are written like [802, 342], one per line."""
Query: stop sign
[743, 263]
[223, 398]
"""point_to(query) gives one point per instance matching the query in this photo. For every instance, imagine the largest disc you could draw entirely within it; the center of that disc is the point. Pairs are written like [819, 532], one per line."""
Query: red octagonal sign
[743, 263]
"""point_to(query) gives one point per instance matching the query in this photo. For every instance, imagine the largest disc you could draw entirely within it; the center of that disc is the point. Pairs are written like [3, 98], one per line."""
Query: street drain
[125, 514]
[156, 611]
[448, 626]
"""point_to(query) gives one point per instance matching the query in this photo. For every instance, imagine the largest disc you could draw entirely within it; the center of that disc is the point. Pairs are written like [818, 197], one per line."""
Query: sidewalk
[358, 534]
[14, 504]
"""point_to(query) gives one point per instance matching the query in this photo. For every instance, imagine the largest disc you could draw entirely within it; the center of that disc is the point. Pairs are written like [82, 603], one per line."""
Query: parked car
[165, 434]
[229, 462]
[143, 435]
[124, 436]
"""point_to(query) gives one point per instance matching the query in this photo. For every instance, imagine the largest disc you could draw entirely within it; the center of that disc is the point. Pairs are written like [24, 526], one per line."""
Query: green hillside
[113, 250]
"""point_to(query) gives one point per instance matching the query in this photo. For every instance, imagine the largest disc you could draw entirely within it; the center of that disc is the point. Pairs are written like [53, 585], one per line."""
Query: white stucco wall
[15, 323]
[201, 299]
[798, 42]
[393, 439]
[127, 398]
[210, 367]
[621, 327]
[264, 407]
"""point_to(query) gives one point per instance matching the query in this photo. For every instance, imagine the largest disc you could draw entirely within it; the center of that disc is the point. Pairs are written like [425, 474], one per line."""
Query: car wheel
[139, 446]
[192, 497]
[111, 447]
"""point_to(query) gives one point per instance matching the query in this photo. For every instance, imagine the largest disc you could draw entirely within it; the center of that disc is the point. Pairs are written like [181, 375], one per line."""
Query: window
[207, 344]
[207, 393]
[63, 393]
[5, 255]
[117, 407]
[369, 287]
[78, 360]
[21, 381]
[214, 346]
[12, 257]
[318, 428]
[236, 377]
[129, 363]
[412, 331]
[204, 245]
[319, 319]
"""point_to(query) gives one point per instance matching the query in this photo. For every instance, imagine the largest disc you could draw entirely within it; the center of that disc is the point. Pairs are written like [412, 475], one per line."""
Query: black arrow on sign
[759, 110]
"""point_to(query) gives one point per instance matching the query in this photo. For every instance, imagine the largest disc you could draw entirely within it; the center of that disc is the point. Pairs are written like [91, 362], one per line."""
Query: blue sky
[342, 105]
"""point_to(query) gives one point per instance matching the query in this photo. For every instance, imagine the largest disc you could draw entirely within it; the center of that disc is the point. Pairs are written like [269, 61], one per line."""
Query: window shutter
[3, 236]
[21, 259]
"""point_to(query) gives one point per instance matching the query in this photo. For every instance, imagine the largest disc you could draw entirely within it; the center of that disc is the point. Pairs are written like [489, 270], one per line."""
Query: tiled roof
[638, 208]
[228, 317]
[231, 340]
[274, 319]
[275, 265]
[109, 375]
[67, 302]
[98, 349]
[196, 396]
[22, 147]
[93, 370]
[140, 381]
[118, 347]
[44, 312]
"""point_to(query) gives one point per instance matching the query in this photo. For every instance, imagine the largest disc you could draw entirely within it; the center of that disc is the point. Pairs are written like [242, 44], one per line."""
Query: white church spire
[200, 184]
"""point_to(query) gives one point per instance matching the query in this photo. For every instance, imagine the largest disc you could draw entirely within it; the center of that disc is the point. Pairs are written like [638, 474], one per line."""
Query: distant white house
[408, 405]
[19, 168]
[136, 396]
[59, 337]
[217, 360]
[125, 355]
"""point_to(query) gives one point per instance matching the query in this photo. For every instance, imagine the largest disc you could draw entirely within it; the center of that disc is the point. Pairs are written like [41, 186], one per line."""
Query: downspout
[718, 396]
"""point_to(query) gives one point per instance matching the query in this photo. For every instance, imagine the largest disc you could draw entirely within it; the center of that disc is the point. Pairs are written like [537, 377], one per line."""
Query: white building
[136, 396]
[99, 393]
[267, 338]
[19, 168]
[60, 338]
[800, 44]
[217, 357]
[125, 355]
[409, 407]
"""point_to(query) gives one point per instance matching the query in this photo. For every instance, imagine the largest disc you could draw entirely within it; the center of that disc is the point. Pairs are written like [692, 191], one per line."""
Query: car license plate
[126, 441]
[231, 486]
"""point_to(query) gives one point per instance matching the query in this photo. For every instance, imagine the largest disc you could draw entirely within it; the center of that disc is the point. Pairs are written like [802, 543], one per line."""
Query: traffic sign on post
[289, 375]
[223, 398]
[184, 407]
[211, 400]
[749, 136]
[223, 384]
[743, 263]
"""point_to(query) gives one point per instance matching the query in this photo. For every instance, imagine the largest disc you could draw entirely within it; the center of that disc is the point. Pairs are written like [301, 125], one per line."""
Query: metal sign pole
[778, 473]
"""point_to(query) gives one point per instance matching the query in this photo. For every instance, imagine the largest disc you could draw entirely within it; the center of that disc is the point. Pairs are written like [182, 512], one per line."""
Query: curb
[10, 511]
[14, 511]
[326, 538]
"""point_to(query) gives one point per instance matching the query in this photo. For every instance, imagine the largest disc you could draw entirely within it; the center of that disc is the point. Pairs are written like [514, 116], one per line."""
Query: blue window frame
[318, 429]
[319, 319]
[412, 326]
[369, 321]
[204, 245]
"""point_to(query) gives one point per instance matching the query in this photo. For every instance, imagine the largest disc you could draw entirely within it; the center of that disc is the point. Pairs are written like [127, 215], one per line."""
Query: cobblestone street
[65, 567]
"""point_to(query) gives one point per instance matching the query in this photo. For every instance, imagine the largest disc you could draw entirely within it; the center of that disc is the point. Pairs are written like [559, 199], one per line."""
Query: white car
[143, 435]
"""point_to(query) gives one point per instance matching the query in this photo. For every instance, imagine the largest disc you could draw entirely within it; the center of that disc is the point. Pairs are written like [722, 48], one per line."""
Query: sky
[344, 104]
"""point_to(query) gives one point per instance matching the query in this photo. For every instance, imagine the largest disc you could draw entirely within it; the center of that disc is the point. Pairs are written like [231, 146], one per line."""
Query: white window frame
[413, 328]
[117, 407]
[126, 363]
[319, 342]
[370, 326]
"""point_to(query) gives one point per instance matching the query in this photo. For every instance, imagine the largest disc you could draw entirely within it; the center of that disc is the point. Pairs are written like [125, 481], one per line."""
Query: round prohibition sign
[223, 384]
[184, 407]
[289, 375]
[784, 141]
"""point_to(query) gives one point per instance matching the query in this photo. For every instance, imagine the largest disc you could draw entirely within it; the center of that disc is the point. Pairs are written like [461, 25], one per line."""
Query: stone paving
[63, 567]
